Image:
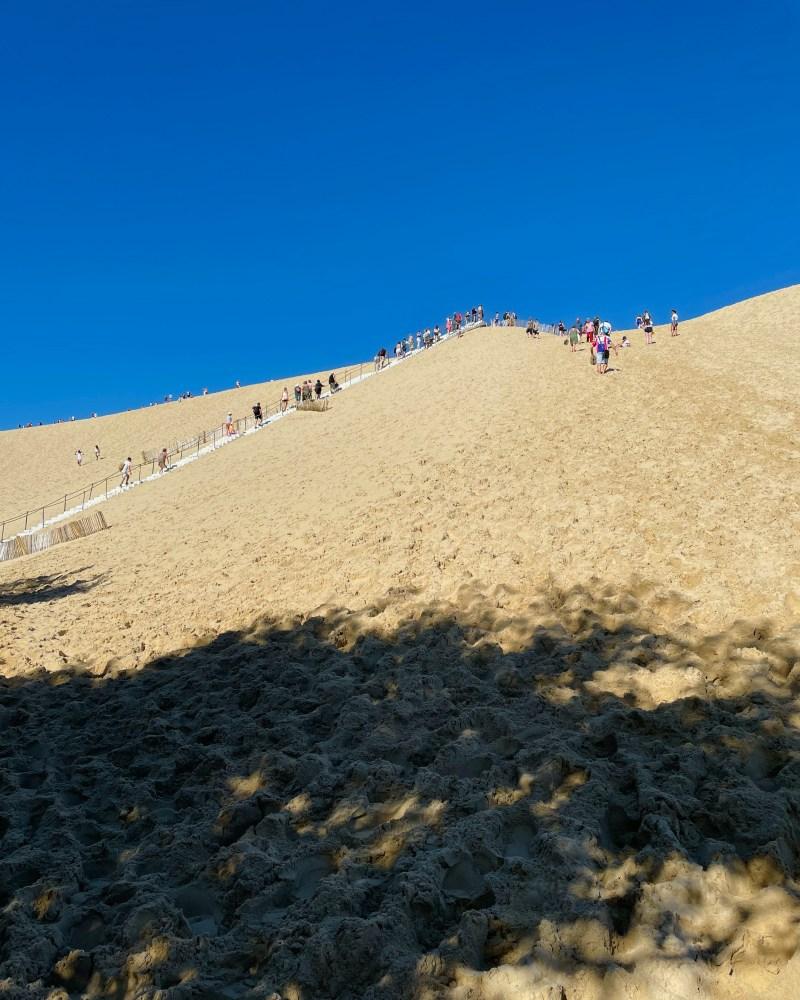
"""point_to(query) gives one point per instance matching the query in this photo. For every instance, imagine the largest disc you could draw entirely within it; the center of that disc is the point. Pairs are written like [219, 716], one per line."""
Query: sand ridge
[481, 684]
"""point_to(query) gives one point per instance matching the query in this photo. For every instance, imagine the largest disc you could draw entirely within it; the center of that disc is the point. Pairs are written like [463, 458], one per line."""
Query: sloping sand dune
[482, 684]
[37, 464]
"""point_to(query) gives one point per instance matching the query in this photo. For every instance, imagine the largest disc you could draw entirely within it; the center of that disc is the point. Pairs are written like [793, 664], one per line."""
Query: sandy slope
[37, 464]
[481, 684]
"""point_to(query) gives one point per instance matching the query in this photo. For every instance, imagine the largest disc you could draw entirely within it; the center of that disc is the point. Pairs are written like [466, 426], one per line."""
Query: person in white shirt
[127, 465]
[674, 324]
[79, 457]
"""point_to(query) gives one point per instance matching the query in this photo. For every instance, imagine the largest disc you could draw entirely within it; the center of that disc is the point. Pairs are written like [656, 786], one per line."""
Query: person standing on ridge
[673, 325]
[79, 457]
[97, 453]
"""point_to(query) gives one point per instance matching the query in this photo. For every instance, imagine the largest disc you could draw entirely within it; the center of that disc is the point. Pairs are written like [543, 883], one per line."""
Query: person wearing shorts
[674, 324]
[574, 339]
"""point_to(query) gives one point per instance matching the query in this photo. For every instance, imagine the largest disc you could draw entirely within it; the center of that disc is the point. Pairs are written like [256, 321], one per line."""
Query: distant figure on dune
[647, 326]
[79, 457]
[574, 338]
[285, 399]
[673, 324]
[297, 392]
[127, 465]
[258, 414]
[237, 386]
[603, 348]
[97, 453]
[625, 341]
[419, 340]
[229, 424]
[318, 389]
[589, 333]
[333, 385]
[162, 460]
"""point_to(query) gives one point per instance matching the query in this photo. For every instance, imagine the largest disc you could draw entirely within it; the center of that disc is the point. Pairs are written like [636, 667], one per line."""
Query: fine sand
[481, 685]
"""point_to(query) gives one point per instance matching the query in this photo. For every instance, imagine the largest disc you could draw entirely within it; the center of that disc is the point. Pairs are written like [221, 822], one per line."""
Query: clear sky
[197, 192]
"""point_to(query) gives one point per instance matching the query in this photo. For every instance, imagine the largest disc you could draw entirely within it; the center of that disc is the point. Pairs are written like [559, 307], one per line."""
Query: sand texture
[481, 685]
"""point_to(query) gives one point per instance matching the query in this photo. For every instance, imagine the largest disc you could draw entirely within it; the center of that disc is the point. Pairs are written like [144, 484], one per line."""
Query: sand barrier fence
[38, 541]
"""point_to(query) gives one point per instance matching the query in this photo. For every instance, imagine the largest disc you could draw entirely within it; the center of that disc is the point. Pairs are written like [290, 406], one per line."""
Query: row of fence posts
[271, 410]
[348, 379]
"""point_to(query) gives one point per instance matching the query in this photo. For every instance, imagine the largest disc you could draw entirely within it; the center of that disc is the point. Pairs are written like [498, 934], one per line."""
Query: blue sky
[198, 192]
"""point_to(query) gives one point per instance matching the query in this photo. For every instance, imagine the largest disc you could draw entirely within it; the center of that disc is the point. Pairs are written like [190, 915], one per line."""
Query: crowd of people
[597, 334]
[454, 324]
[594, 332]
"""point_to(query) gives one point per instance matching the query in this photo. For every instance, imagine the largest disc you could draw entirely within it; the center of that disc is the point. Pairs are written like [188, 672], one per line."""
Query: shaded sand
[447, 692]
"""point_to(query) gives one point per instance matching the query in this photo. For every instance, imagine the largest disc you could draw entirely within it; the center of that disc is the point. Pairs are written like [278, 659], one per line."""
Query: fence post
[42, 516]
[83, 500]
[65, 503]
[106, 489]
[26, 520]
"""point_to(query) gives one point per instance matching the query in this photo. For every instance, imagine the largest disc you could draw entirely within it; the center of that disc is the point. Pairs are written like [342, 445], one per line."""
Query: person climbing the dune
[574, 339]
[673, 324]
[647, 326]
[127, 465]
[284, 399]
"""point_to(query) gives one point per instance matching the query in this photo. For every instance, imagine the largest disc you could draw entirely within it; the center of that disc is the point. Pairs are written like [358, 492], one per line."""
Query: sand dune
[38, 465]
[482, 684]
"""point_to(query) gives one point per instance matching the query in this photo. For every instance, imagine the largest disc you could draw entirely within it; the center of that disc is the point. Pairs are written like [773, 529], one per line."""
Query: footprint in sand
[464, 883]
[89, 932]
[308, 873]
[521, 842]
[202, 911]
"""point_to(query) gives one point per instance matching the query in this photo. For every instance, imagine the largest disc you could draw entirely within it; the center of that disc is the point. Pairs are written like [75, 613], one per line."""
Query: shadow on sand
[47, 587]
[325, 811]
